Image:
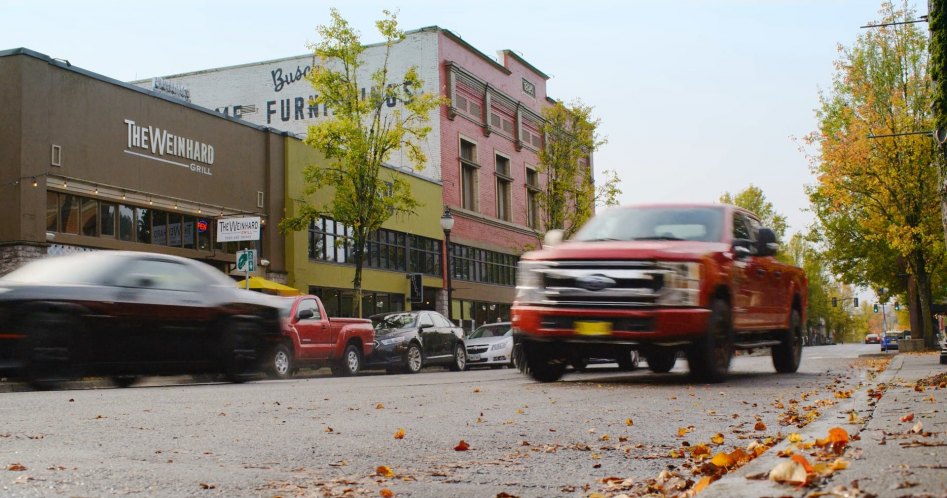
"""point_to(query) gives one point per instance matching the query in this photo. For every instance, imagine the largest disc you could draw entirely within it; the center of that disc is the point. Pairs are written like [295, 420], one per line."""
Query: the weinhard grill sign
[151, 142]
[238, 229]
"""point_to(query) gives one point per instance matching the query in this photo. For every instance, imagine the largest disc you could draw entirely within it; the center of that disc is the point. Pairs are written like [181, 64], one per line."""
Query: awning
[268, 286]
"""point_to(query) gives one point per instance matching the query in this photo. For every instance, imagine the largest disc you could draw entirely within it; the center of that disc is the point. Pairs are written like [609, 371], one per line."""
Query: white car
[491, 345]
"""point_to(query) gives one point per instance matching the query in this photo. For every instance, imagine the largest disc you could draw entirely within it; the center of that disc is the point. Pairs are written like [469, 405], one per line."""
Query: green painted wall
[302, 272]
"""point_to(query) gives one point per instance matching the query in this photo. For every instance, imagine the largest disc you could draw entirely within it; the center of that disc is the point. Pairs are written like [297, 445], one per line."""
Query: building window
[532, 198]
[480, 265]
[330, 240]
[88, 215]
[69, 214]
[107, 213]
[425, 255]
[384, 250]
[338, 302]
[143, 221]
[504, 188]
[469, 173]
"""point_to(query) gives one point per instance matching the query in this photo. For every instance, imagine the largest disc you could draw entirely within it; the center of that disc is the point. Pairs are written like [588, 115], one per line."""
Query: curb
[737, 484]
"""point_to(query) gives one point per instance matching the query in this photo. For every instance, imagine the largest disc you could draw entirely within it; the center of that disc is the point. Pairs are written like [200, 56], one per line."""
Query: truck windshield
[703, 224]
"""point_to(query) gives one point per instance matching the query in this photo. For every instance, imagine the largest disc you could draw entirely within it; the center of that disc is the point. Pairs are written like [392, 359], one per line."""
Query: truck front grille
[597, 284]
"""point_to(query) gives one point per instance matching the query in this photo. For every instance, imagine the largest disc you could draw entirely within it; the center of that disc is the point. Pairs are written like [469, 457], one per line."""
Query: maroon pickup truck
[698, 279]
[312, 339]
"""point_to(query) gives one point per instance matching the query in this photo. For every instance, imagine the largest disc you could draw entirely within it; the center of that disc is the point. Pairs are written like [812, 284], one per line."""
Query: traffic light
[875, 308]
[897, 307]
[855, 301]
[834, 302]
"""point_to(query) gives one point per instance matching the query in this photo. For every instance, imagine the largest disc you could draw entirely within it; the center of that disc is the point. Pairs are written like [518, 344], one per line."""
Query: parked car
[889, 340]
[943, 349]
[410, 340]
[312, 339]
[126, 314]
[491, 345]
[872, 339]
[701, 279]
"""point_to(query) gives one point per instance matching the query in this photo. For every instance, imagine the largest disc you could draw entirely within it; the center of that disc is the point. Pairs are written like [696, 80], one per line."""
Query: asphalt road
[327, 436]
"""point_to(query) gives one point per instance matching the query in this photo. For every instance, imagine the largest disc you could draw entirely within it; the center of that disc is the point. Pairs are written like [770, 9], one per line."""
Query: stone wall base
[14, 256]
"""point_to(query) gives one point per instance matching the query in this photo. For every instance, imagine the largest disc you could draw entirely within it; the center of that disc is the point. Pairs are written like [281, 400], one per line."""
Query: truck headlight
[529, 282]
[681, 284]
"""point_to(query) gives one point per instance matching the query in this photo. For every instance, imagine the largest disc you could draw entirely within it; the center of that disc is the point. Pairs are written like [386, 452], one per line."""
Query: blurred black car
[125, 314]
[410, 340]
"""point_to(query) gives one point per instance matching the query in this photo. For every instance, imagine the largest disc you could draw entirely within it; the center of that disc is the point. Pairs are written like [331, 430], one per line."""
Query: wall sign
[156, 144]
[238, 229]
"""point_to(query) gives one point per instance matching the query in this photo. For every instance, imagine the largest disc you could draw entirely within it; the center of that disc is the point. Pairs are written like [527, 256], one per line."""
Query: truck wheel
[661, 361]
[350, 363]
[48, 351]
[413, 359]
[788, 355]
[460, 359]
[709, 357]
[544, 363]
[281, 362]
[240, 350]
[518, 361]
[629, 361]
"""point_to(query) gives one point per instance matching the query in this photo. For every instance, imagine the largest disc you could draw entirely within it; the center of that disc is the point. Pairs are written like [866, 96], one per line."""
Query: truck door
[743, 278]
[312, 328]
[774, 285]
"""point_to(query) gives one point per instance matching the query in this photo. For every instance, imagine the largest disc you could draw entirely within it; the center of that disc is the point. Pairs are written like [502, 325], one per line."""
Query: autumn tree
[753, 200]
[877, 196]
[360, 135]
[570, 194]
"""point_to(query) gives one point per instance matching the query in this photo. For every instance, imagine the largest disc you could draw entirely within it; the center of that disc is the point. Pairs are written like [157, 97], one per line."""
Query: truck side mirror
[766, 242]
[305, 314]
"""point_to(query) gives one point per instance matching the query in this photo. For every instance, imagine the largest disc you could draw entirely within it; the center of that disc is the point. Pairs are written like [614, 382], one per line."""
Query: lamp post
[447, 224]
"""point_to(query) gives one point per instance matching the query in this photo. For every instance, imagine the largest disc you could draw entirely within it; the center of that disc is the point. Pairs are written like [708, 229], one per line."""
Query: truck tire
[709, 357]
[518, 361]
[413, 360]
[48, 351]
[544, 363]
[661, 361]
[281, 362]
[240, 350]
[788, 355]
[350, 363]
[460, 359]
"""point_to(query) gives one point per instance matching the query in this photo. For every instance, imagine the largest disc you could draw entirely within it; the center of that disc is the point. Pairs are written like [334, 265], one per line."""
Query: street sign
[238, 229]
[246, 260]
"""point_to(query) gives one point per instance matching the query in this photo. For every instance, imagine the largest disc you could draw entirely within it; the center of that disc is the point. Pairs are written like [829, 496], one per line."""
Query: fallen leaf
[723, 460]
[380, 406]
[908, 418]
[700, 451]
[399, 434]
[801, 460]
[604, 437]
[701, 484]
[16, 467]
[629, 422]
[384, 471]
[789, 471]
[204, 485]
[682, 431]
[476, 390]
[760, 426]
[329, 429]
[386, 493]
[839, 464]
[918, 427]
[795, 437]
[462, 446]
[717, 438]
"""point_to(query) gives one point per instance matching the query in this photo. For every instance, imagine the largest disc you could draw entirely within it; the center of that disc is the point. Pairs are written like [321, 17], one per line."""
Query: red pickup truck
[661, 279]
[312, 339]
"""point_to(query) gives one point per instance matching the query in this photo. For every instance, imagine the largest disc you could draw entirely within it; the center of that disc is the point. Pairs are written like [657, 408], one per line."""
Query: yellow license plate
[593, 328]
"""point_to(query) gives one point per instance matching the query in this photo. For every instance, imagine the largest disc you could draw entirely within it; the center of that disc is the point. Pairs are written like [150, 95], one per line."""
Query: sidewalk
[887, 457]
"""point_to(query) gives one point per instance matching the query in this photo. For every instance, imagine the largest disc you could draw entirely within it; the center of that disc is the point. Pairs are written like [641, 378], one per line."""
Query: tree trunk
[914, 304]
[924, 293]
[358, 254]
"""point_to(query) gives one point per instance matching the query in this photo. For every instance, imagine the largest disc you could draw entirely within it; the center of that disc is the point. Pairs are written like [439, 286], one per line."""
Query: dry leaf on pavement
[908, 418]
[399, 434]
[789, 472]
[462, 446]
[384, 471]
[386, 493]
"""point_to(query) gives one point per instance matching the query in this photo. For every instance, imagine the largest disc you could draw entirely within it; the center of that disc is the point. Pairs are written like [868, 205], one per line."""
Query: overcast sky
[696, 98]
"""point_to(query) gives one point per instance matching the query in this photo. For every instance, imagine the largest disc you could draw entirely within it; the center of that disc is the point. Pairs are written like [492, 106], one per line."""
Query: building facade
[482, 149]
[91, 163]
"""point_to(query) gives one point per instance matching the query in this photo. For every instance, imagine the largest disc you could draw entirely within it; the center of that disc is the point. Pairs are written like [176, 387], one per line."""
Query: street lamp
[447, 224]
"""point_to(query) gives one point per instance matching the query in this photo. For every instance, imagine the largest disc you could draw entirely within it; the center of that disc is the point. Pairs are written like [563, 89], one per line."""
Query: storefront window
[174, 230]
[190, 232]
[203, 234]
[69, 214]
[88, 214]
[107, 216]
[52, 212]
[143, 225]
[159, 228]
[126, 223]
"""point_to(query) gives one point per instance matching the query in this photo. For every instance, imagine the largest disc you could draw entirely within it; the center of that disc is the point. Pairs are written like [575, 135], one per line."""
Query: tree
[753, 200]
[937, 19]
[570, 195]
[360, 136]
[877, 196]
